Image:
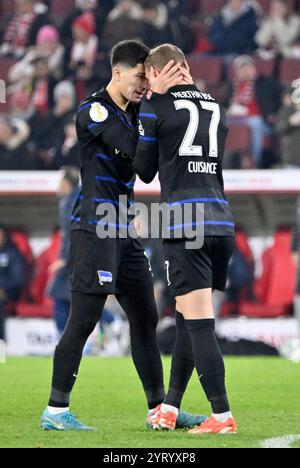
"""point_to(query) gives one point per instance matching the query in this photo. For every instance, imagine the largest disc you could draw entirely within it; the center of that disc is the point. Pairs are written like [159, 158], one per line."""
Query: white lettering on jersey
[202, 167]
[192, 95]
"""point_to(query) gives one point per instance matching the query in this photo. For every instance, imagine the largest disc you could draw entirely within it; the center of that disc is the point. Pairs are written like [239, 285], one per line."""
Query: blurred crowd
[58, 53]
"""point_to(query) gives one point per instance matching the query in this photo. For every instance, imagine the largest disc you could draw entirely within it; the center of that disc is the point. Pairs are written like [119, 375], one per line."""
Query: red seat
[42, 273]
[238, 140]
[208, 69]
[264, 67]
[43, 310]
[242, 244]
[276, 287]
[253, 310]
[21, 241]
[289, 71]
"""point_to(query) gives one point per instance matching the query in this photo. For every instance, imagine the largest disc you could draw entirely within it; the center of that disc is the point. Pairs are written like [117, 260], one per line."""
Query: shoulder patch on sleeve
[98, 113]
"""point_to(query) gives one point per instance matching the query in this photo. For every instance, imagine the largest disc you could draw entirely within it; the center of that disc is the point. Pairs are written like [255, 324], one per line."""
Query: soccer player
[107, 133]
[182, 136]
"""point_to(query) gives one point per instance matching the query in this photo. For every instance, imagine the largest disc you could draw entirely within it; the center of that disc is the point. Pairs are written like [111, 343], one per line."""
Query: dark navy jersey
[182, 136]
[107, 139]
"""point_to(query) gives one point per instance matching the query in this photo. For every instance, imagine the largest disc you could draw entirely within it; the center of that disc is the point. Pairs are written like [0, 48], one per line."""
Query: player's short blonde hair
[163, 54]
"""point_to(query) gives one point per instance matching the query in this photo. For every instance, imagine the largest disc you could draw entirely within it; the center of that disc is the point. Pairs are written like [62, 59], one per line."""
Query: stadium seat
[21, 241]
[276, 287]
[264, 67]
[43, 310]
[289, 71]
[42, 274]
[206, 68]
[238, 140]
[257, 310]
[242, 244]
[274, 290]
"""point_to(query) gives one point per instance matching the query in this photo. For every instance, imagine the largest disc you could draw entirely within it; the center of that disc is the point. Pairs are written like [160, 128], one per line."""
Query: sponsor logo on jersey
[98, 113]
[104, 277]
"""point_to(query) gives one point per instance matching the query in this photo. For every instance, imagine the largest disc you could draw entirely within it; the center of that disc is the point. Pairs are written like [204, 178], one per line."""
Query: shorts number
[167, 266]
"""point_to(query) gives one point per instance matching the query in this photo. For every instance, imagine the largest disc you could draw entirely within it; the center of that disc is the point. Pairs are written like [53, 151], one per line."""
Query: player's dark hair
[129, 53]
[163, 54]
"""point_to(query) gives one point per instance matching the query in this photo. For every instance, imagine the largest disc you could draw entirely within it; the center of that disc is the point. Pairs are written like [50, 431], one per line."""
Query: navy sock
[209, 363]
[182, 364]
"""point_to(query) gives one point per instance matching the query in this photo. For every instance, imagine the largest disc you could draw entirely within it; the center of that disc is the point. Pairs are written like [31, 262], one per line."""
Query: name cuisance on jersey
[202, 167]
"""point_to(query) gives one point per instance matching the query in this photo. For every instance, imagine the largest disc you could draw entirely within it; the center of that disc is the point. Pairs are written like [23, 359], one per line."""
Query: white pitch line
[281, 442]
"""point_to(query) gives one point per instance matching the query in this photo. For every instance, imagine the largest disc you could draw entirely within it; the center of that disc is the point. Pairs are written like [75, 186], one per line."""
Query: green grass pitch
[264, 394]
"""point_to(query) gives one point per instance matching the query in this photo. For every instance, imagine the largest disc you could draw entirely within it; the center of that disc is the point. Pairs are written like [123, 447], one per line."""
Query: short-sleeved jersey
[107, 138]
[182, 135]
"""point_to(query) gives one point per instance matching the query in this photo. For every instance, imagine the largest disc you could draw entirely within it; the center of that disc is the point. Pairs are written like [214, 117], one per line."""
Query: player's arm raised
[171, 75]
[146, 157]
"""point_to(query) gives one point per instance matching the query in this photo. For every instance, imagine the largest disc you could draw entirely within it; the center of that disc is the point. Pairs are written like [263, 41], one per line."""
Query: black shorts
[190, 270]
[106, 266]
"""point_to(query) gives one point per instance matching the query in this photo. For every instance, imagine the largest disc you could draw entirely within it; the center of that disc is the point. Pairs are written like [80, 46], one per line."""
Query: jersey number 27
[187, 148]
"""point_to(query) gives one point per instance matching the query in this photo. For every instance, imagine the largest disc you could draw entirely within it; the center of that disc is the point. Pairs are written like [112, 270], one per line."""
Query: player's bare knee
[196, 304]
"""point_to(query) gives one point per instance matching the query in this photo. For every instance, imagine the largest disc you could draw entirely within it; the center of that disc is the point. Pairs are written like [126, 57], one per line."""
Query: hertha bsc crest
[105, 277]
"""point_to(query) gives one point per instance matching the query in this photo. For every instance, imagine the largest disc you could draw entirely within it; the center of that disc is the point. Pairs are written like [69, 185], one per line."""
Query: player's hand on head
[186, 76]
[170, 76]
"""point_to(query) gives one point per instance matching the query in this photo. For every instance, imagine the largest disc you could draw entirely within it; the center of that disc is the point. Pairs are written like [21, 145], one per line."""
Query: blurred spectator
[14, 154]
[155, 28]
[48, 47]
[253, 100]
[22, 29]
[129, 8]
[42, 87]
[124, 22]
[279, 31]
[12, 275]
[68, 154]
[165, 23]
[100, 10]
[80, 60]
[19, 100]
[180, 26]
[233, 30]
[59, 289]
[288, 126]
[48, 131]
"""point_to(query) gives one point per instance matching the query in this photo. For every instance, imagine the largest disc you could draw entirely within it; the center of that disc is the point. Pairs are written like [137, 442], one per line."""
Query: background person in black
[182, 135]
[12, 275]
[106, 128]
